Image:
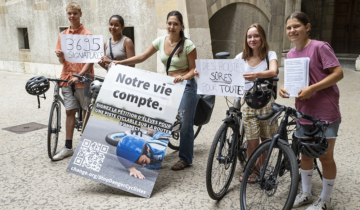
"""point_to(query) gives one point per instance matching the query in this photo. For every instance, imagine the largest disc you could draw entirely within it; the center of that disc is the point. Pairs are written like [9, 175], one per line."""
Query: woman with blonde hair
[256, 56]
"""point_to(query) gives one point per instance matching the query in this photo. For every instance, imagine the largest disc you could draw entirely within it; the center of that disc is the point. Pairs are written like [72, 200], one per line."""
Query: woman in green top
[182, 67]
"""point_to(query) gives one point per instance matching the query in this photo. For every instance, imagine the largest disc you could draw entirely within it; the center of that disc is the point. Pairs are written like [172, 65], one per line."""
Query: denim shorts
[331, 131]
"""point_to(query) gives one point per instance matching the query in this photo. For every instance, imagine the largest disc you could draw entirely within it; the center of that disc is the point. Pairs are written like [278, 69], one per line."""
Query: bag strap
[170, 56]
[111, 54]
[267, 62]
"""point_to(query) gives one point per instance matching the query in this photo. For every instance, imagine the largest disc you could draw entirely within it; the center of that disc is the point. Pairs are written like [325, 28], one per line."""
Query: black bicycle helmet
[256, 97]
[37, 85]
[312, 149]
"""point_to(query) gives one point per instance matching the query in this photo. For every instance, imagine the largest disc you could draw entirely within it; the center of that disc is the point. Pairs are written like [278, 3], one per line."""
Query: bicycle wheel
[53, 130]
[220, 167]
[174, 141]
[276, 190]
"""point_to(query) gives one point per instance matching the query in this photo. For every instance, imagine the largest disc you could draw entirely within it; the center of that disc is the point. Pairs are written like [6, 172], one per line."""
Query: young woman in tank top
[181, 68]
[119, 47]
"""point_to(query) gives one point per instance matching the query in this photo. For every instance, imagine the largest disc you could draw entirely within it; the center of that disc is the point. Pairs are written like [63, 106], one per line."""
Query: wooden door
[346, 29]
[355, 32]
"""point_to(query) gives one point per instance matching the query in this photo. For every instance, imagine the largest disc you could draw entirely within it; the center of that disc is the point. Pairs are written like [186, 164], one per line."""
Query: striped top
[324, 103]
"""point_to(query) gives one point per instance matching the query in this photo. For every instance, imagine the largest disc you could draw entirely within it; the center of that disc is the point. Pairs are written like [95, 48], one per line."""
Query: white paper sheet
[296, 74]
[222, 77]
[82, 48]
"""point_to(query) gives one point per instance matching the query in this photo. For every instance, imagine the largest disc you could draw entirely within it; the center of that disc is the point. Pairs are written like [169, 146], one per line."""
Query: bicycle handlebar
[57, 80]
[278, 109]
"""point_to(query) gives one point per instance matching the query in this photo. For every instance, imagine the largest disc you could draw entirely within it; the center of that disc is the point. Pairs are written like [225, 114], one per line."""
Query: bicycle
[54, 125]
[174, 142]
[275, 161]
[228, 144]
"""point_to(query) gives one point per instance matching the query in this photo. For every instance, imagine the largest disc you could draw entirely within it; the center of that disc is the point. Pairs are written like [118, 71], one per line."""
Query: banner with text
[223, 77]
[125, 139]
[82, 48]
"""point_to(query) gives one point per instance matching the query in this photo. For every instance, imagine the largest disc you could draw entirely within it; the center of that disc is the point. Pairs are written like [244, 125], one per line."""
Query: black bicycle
[228, 144]
[174, 140]
[54, 125]
[275, 164]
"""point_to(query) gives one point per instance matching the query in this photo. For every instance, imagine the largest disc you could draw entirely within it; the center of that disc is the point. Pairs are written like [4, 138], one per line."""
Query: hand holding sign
[82, 48]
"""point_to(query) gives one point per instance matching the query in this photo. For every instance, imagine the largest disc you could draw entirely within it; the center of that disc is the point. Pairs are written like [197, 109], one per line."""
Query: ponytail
[182, 36]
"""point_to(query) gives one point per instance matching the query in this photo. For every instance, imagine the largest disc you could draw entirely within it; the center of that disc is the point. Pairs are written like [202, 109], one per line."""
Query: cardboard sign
[82, 48]
[223, 77]
[128, 130]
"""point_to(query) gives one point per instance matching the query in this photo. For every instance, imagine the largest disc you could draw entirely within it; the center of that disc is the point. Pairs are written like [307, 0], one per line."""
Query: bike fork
[264, 166]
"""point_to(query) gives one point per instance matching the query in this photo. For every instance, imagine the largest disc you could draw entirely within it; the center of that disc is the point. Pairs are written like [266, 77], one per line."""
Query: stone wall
[229, 23]
[43, 18]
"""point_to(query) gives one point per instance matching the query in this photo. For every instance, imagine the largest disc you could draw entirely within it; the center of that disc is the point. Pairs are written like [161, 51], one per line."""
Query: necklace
[172, 43]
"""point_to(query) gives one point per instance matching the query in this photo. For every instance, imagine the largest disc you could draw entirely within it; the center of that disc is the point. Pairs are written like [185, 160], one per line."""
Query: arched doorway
[228, 26]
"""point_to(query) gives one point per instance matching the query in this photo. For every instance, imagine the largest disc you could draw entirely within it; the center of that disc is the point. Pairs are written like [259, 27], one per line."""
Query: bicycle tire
[174, 143]
[271, 194]
[229, 162]
[53, 130]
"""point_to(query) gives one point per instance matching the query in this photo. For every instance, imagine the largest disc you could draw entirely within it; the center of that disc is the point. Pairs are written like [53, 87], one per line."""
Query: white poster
[223, 77]
[126, 137]
[82, 48]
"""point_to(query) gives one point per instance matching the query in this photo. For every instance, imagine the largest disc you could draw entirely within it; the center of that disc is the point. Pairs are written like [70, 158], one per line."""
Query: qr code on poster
[91, 155]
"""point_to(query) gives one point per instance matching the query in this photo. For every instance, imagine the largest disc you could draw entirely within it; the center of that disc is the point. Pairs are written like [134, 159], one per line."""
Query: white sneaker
[65, 152]
[302, 198]
[320, 205]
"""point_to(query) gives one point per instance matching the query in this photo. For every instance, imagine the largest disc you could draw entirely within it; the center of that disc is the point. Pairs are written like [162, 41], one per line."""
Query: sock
[328, 186]
[306, 176]
[68, 144]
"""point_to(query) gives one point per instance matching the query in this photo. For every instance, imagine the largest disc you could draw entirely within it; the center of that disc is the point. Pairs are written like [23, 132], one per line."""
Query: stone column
[195, 19]
[357, 64]
[290, 7]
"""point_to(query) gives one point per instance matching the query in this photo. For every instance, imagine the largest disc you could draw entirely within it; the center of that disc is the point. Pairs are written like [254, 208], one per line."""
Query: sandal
[252, 178]
[180, 165]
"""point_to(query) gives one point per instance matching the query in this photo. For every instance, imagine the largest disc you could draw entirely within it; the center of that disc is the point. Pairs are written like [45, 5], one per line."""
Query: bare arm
[191, 59]
[272, 72]
[336, 74]
[60, 56]
[139, 58]
[129, 49]
[84, 70]
[101, 63]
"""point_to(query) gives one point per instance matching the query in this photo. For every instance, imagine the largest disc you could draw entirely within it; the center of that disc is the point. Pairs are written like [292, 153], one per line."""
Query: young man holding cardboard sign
[72, 100]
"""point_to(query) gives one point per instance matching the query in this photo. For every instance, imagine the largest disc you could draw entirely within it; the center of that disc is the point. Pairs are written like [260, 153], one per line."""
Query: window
[129, 32]
[23, 37]
[63, 28]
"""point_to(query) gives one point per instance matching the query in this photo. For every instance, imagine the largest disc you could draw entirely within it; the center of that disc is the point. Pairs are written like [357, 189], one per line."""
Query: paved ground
[29, 180]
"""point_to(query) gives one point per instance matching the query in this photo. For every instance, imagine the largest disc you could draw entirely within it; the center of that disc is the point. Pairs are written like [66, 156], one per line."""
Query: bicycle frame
[234, 114]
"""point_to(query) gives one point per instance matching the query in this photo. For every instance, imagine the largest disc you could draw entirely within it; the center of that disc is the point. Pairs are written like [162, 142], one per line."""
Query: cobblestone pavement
[29, 180]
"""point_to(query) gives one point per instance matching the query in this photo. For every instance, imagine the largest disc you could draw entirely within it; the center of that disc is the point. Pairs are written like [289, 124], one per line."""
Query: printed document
[296, 73]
